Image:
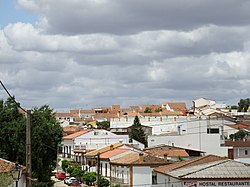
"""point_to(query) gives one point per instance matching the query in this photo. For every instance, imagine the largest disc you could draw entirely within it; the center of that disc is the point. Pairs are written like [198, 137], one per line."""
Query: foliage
[104, 182]
[240, 135]
[45, 127]
[46, 134]
[65, 164]
[158, 109]
[234, 107]
[103, 124]
[89, 177]
[5, 179]
[148, 110]
[12, 135]
[116, 185]
[243, 105]
[137, 132]
[179, 158]
[75, 172]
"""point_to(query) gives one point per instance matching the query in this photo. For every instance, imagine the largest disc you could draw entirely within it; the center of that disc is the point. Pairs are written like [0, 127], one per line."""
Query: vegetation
[103, 124]
[75, 172]
[45, 128]
[6, 179]
[243, 105]
[137, 132]
[89, 178]
[65, 164]
[148, 110]
[158, 109]
[104, 182]
[240, 135]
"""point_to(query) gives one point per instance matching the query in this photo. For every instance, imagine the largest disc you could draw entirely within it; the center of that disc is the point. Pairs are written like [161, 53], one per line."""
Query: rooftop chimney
[111, 147]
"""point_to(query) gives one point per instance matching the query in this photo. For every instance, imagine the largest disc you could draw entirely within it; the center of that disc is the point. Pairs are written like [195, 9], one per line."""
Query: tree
[6, 179]
[65, 164]
[46, 134]
[104, 182]
[158, 109]
[137, 132]
[89, 177]
[103, 124]
[147, 110]
[243, 105]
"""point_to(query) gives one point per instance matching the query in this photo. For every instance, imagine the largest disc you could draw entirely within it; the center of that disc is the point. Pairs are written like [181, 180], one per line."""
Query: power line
[13, 99]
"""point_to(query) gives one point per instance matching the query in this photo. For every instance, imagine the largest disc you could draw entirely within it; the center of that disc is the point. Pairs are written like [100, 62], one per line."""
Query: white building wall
[193, 135]
[142, 176]
[166, 181]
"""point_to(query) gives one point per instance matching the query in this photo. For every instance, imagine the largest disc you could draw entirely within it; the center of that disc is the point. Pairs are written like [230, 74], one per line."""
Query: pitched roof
[76, 134]
[242, 125]
[237, 143]
[191, 162]
[134, 159]
[112, 153]
[7, 166]
[103, 149]
[170, 153]
[176, 106]
[71, 128]
[217, 169]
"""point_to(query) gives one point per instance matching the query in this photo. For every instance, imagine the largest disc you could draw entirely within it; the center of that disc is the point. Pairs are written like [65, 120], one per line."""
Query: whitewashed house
[207, 171]
[205, 133]
[91, 139]
[135, 169]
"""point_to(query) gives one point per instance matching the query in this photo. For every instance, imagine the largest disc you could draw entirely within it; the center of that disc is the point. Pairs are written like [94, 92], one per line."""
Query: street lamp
[16, 173]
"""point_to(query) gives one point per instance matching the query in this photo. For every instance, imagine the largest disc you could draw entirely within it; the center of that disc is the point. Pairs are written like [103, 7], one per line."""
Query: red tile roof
[191, 162]
[76, 134]
[113, 152]
[170, 153]
[7, 166]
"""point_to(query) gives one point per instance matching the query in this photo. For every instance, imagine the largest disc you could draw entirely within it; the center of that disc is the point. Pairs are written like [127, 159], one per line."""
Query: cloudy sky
[89, 53]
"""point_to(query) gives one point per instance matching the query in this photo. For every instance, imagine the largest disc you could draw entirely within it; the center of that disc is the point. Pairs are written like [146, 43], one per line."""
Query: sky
[95, 53]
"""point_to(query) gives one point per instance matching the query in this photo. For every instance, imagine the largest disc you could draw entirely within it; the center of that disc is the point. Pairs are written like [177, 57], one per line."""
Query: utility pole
[28, 149]
[98, 169]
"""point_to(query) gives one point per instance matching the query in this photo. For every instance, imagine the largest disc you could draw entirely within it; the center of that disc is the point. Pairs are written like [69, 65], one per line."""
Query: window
[106, 169]
[213, 131]
[154, 178]
[246, 152]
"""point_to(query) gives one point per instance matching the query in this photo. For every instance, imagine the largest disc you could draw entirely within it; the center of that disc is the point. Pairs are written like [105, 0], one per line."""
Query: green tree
[12, 134]
[243, 105]
[158, 109]
[46, 135]
[65, 164]
[104, 182]
[103, 124]
[148, 110]
[137, 132]
[89, 177]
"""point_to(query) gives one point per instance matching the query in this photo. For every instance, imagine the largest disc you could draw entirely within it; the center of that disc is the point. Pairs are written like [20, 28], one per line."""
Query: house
[204, 133]
[239, 150]
[207, 171]
[107, 154]
[135, 169]
[91, 139]
[8, 170]
[174, 154]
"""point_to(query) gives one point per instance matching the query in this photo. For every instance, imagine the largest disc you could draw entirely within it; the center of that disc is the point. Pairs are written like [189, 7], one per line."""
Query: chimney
[111, 147]
[140, 158]
[165, 156]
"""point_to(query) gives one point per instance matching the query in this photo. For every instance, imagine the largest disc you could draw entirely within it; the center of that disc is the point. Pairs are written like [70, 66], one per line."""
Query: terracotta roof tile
[191, 162]
[76, 134]
[7, 166]
[134, 158]
[170, 153]
[71, 128]
[103, 149]
[176, 106]
[113, 152]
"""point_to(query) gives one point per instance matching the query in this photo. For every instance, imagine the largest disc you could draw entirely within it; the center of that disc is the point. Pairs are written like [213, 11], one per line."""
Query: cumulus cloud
[100, 52]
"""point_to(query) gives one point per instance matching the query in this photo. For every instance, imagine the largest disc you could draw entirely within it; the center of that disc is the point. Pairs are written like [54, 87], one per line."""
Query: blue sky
[10, 12]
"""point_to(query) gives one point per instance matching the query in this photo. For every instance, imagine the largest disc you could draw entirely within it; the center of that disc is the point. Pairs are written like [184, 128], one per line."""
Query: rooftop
[76, 134]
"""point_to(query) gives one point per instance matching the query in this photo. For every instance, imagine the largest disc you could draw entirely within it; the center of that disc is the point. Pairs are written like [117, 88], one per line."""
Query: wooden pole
[28, 150]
